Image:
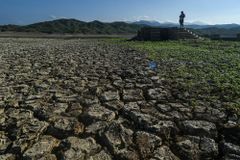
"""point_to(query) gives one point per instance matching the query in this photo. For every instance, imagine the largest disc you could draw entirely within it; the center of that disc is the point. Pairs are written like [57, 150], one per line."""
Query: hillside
[75, 26]
[200, 28]
[220, 31]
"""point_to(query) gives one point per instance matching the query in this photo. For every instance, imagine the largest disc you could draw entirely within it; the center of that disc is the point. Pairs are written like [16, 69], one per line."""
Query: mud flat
[85, 99]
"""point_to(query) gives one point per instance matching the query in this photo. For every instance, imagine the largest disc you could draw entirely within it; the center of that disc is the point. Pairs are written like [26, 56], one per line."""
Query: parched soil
[85, 99]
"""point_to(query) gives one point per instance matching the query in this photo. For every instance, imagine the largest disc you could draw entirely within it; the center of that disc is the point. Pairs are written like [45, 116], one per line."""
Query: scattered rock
[74, 110]
[199, 128]
[96, 113]
[20, 116]
[89, 100]
[96, 127]
[28, 134]
[196, 148]
[3, 122]
[4, 142]
[101, 156]
[132, 95]
[209, 114]
[80, 148]
[110, 96]
[129, 86]
[64, 126]
[116, 137]
[166, 129]
[177, 116]
[147, 143]
[7, 157]
[157, 94]
[128, 155]
[141, 120]
[230, 151]
[1, 110]
[44, 146]
[163, 108]
[155, 78]
[163, 153]
[119, 83]
[59, 108]
[46, 157]
[114, 105]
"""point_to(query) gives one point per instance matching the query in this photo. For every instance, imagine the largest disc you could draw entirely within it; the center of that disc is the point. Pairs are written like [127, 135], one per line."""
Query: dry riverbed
[85, 99]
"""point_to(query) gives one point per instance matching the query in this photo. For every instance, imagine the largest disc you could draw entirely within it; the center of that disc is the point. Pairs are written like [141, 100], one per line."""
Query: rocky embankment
[83, 99]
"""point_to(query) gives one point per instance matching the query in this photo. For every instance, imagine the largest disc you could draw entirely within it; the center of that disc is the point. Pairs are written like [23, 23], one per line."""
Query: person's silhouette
[181, 19]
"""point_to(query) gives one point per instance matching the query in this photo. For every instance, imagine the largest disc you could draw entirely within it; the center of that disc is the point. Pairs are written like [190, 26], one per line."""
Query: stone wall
[158, 34]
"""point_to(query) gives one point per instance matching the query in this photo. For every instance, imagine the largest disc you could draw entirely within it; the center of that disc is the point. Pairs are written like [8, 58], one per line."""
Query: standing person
[181, 19]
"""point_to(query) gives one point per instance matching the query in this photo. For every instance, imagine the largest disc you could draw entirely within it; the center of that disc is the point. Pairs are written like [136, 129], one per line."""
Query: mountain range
[194, 25]
[73, 26]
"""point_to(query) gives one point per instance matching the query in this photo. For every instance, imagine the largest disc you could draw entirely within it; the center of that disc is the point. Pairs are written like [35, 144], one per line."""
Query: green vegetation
[205, 70]
[73, 26]
[218, 31]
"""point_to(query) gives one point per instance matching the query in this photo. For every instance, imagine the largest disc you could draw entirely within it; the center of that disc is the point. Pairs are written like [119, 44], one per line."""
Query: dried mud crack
[84, 99]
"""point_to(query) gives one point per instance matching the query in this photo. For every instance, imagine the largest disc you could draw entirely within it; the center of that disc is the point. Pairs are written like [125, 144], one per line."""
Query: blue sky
[208, 11]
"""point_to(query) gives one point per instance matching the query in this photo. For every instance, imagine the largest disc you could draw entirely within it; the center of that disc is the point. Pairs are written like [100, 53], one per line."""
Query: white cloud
[53, 17]
[57, 17]
[138, 18]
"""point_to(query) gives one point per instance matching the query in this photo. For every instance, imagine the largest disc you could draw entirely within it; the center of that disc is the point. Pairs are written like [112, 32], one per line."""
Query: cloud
[63, 17]
[53, 17]
[145, 17]
[57, 17]
[138, 18]
[142, 18]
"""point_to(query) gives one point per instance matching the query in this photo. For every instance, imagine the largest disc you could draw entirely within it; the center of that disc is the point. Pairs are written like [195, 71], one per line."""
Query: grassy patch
[208, 70]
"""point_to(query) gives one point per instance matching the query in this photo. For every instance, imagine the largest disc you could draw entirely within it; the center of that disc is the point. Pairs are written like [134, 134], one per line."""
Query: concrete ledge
[158, 34]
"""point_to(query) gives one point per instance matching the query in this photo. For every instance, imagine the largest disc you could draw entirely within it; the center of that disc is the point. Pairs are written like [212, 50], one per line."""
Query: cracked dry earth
[84, 99]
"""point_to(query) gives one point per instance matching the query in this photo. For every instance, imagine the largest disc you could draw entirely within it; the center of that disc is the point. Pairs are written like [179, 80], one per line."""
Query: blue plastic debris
[153, 65]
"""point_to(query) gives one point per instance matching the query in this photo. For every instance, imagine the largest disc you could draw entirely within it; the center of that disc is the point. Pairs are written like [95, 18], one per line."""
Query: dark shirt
[182, 16]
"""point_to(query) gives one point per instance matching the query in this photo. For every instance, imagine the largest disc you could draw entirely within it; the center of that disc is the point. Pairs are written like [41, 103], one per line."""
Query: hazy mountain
[75, 26]
[194, 25]
[147, 23]
[226, 26]
[198, 27]
[232, 32]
